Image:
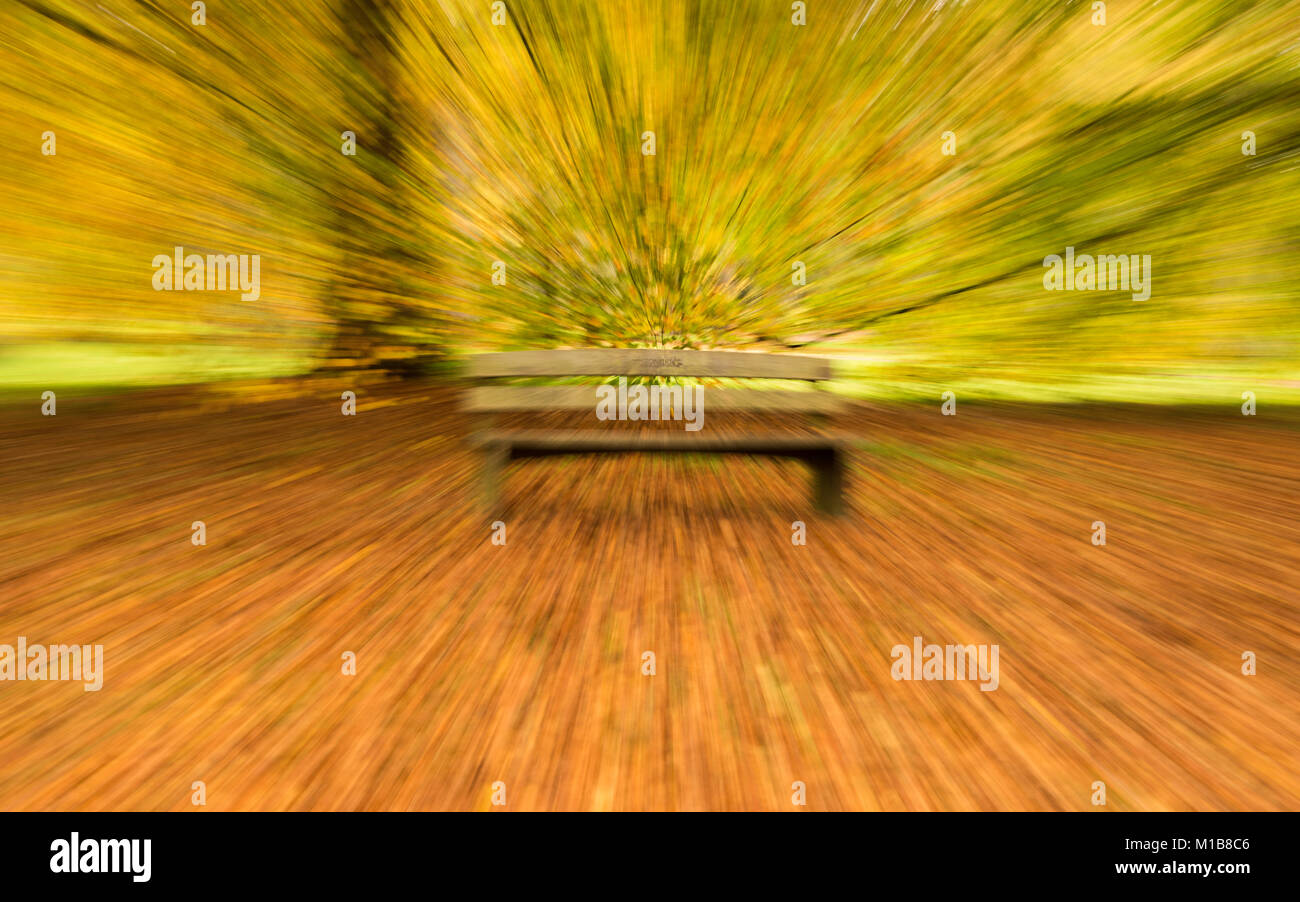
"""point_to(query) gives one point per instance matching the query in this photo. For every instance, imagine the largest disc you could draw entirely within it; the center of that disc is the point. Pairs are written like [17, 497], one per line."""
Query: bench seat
[825, 454]
[540, 443]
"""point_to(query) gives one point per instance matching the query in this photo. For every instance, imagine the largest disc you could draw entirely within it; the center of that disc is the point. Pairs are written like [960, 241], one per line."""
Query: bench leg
[495, 458]
[828, 482]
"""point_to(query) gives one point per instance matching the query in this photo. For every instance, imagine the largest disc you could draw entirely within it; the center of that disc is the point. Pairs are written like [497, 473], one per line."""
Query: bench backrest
[607, 362]
[650, 362]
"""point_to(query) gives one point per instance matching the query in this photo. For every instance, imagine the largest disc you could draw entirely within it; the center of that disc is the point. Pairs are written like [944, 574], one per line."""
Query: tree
[370, 298]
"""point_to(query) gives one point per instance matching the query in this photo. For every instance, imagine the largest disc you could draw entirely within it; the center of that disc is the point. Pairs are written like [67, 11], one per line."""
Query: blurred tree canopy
[774, 144]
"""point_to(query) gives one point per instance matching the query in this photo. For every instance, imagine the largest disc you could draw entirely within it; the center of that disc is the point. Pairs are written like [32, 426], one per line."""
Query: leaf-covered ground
[522, 663]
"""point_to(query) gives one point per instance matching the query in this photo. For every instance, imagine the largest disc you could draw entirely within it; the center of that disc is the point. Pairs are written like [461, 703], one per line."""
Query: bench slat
[500, 398]
[649, 362]
[535, 442]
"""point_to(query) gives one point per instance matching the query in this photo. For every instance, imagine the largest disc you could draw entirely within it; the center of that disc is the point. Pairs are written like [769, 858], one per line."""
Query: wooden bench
[825, 453]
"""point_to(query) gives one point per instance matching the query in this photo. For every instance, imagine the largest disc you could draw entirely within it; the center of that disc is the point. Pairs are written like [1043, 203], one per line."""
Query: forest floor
[523, 662]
